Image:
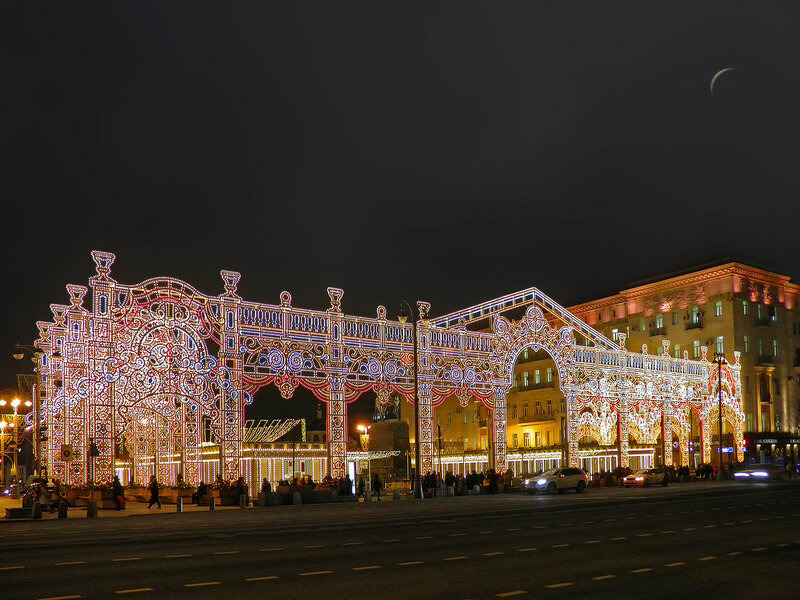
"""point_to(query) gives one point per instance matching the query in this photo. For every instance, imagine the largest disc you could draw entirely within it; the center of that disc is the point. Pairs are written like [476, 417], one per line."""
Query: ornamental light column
[719, 358]
[407, 313]
[36, 395]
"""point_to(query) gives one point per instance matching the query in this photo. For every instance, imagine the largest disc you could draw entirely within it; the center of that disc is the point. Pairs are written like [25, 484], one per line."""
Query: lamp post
[407, 313]
[3, 425]
[363, 434]
[719, 358]
[37, 396]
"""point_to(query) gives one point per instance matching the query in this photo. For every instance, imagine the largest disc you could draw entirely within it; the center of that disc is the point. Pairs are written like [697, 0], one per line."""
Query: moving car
[558, 480]
[759, 473]
[646, 478]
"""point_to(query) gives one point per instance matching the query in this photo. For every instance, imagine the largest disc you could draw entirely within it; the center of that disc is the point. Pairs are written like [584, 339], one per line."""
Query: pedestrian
[119, 493]
[202, 490]
[153, 487]
[376, 486]
[362, 488]
[266, 487]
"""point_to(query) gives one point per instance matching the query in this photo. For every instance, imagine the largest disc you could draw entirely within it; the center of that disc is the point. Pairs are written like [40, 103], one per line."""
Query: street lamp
[407, 313]
[719, 358]
[3, 425]
[363, 434]
[36, 394]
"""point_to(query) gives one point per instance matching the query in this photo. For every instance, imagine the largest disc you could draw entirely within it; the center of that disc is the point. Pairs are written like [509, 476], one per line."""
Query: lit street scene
[478, 301]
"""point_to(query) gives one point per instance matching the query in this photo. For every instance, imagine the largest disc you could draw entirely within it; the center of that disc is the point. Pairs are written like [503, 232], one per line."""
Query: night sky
[450, 152]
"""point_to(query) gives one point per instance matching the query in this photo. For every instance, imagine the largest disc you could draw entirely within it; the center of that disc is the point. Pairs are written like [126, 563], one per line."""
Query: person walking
[153, 487]
[377, 484]
[119, 493]
[362, 489]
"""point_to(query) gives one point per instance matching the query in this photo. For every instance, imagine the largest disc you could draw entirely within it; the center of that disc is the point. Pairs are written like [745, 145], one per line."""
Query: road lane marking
[643, 570]
[608, 520]
[72, 562]
[643, 534]
[734, 553]
[263, 578]
[526, 549]
[781, 545]
[367, 568]
[688, 528]
[457, 534]
[747, 521]
[323, 545]
[134, 591]
[455, 557]
[675, 564]
[511, 594]
[709, 526]
[514, 529]
[228, 552]
[492, 553]
[424, 537]
[200, 584]
[554, 586]
[668, 531]
[270, 549]
[759, 549]
[587, 522]
[353, 544]
[410, 562]
[177, 556]
[484, 532]
[592, 542]
[73, 597]
[126, 559]
[12, 568]
[729, 523]
[603, 577]
[538, 526]
[559, 546]
[707, 558]
[616, 539]
[315, 573]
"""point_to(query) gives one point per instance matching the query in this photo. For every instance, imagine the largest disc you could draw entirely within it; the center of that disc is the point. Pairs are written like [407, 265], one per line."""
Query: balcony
[764, 322]
[654, 331]
[766, 360]
[697, 324]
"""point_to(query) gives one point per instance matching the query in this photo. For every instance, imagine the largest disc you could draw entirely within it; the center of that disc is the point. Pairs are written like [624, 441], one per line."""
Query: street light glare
[15, 402]
[3, 402]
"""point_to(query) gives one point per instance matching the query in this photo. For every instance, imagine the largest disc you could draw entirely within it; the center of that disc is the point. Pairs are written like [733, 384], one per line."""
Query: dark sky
[451, 151]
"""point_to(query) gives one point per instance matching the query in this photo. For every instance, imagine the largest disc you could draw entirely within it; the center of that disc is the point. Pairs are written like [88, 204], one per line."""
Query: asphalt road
[699, 540]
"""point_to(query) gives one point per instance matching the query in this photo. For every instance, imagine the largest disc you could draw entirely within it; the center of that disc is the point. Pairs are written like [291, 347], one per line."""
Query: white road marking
[559, 546]
[13, 568]
[643, 570]
[72, 562]
[675, 564]
[177, 556]
[643, 534]
[315, 573]
[526, 549]
[734, 553]
[424, 537]
[514, 529]
[227, 552]
[323, 545]
[455, 558]
[270, 549]
[485, 532]
[592, 542]
[511, 594]
[668, 531]
[126, 559]
[457, 534]
[603, 577]
[264, 578]
[368, 568]
[134, 591]
[62, 597]
[709, 526]
[616, 539]
[759, 549]
[353, 544]
[554, 586]
[410, 562]
[688, 528]
[201, 584]
[492, 553]
[707, 558]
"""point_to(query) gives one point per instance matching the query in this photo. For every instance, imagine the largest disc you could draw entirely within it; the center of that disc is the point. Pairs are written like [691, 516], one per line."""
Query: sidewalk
[132, 509]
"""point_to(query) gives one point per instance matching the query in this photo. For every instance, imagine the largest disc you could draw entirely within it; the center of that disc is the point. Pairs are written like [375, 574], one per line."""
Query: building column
[622, 431]
[705, 439]
[498, 431]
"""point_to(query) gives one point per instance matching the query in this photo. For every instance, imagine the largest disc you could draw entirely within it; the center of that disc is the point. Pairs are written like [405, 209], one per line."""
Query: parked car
[558, 480]
[758, 472]
[646, 478]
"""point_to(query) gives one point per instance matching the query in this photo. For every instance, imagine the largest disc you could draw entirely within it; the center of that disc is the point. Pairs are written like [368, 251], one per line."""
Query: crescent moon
[715, 77]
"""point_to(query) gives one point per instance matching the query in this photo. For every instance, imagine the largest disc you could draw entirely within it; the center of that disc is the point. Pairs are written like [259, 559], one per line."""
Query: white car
[646, 478]
[558, 480]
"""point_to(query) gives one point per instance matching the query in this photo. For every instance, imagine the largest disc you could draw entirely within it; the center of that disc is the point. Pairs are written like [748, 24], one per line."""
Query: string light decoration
[161, 369]
[269, 431]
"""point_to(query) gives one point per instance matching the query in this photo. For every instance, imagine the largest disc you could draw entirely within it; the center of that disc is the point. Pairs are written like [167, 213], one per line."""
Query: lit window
[538, 438]
[746, 345]
[549, 375]
[526, 439]
[759, 311]
[775, 348]
[641, 324]
[449, 418]
[549, 407]
[659, 321]
[439, 419]
[513, 411]
[474, 416]
[677, 349]
[720, 344]
[525, 379]
[515, 440]
[696, 349]
[675, 318]
[525, 354]
[718, 308]
[659, 351]
[615, 334]
[466, 444]
[760, 347]
[695, 314]
[745, 307]
[464, 417]
[525, 410]
[537, 377]
[548, 438]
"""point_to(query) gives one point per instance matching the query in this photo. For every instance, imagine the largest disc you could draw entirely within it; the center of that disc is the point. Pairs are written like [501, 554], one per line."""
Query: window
[760, 347]
[525, 379]
[449, 418]
[675, 318]
[525, 410]
[759, 312]
[677, 349]
[439, 419]
[641, 325]
[474, 416]
[548, 438]
[549, 375]
[718, 308]
[615, 334]
[537, 376]
[775, 349]
[659, 321]
[720, 344]
[549, 407]
[525, 354]
[513, 411]
[696, 349]
[516, 380]
[526, 439]
[515, 440]
[773, 314]
[746, 345]
[749, 422]
[538, 438]
[659, 351]
[466, 444]
[695, 314]
[745, 307]
[464, 418]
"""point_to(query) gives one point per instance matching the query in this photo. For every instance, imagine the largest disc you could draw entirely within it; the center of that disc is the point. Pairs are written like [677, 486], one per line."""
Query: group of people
[376, 486]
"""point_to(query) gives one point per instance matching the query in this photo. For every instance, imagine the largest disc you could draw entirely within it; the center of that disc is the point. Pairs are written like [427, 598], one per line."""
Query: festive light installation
[159, 369]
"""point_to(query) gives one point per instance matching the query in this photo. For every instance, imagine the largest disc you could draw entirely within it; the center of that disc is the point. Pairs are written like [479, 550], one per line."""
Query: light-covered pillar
[572, 431]
[499, 426]
[622, 431]
[336, 424]
[666, 432]
[231, 393]
[426, 435]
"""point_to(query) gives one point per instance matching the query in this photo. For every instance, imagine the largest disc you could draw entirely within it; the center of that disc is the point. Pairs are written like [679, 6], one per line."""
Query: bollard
[91, 510]
[242, 501]
[179, 505]
[62, 509]
[212, 503]
[36, 510]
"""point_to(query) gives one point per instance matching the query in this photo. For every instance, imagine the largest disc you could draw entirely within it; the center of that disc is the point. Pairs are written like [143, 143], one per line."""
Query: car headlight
[541, 482]
[760, 474]
[639, 478]
[741, 474]
[527, 481]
